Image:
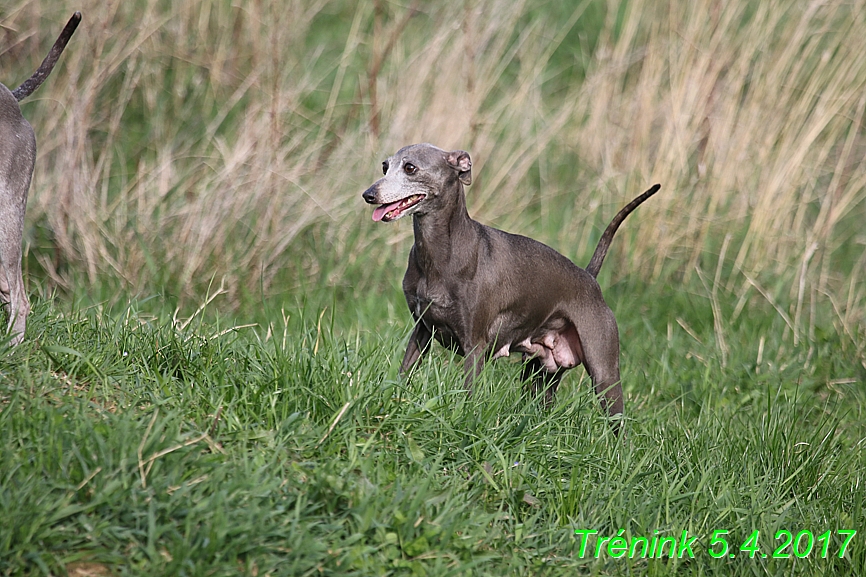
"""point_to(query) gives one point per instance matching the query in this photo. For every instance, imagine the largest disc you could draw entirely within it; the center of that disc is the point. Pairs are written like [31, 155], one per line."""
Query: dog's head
[418, 179]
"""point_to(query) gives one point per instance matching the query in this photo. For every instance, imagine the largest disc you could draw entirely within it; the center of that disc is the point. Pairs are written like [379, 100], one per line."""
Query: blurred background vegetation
[186, 146]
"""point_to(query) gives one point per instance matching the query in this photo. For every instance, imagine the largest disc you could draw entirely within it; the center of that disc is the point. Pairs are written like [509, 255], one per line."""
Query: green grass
[136, 446]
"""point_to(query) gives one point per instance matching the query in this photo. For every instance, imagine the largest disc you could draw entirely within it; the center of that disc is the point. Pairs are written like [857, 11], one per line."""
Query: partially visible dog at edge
[17, 159]
[485, 293]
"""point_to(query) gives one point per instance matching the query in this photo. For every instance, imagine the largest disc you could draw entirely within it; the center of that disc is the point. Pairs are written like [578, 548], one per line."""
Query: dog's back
[17, 155]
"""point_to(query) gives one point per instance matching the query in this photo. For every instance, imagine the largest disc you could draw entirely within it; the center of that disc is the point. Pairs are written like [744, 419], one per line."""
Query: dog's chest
[432, 301]
[438, 309]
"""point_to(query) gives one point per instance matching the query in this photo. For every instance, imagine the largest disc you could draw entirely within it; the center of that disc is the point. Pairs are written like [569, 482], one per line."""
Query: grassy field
[135, 446]
[209, 381]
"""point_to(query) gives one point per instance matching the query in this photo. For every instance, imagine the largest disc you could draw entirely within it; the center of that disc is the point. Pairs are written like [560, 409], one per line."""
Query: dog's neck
[447, 238]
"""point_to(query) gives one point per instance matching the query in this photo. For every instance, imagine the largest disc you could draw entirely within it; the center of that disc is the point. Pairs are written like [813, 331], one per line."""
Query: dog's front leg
[472, 366]
[419, 342]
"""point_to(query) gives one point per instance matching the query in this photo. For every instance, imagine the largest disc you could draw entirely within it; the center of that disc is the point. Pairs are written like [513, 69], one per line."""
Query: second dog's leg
[19, 154]
[17, 305]
[11, 282]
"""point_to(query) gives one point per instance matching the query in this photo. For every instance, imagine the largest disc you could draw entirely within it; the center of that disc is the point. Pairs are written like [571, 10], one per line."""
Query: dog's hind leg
[601, 359]
[540, 380]
[532, 375]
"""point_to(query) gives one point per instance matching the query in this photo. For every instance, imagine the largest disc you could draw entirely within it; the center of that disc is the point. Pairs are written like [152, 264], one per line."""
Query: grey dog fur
[17, 160]
[485, 293]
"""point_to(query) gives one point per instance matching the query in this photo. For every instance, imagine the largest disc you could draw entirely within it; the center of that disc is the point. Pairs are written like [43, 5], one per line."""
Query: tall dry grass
[752, 114]
[182, 141]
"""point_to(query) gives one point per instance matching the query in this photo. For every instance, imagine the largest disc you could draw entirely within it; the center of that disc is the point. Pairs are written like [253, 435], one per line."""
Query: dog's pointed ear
[459, 160]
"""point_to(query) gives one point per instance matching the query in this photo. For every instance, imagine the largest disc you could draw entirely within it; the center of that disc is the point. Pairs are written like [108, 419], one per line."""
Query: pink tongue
[382, 210]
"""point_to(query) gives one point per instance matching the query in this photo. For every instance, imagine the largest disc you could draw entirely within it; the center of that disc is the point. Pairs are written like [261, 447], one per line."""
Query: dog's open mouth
[394, 210]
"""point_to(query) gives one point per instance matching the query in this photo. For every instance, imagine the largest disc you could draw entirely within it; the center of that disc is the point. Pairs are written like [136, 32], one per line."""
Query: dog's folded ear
[459, 160]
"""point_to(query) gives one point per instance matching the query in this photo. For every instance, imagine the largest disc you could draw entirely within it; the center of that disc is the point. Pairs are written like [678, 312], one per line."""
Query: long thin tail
[604, 242]
[35, 81]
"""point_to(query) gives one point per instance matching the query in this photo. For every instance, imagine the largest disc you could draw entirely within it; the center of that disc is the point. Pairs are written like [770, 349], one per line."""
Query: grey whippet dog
[17, 159]
[486, 293]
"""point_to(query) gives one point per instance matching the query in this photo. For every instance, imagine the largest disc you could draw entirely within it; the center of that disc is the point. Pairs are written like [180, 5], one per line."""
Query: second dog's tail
[35, 81]
[604, 242]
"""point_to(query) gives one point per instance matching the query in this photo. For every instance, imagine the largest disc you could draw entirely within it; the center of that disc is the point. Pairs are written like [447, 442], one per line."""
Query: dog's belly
[556, 344]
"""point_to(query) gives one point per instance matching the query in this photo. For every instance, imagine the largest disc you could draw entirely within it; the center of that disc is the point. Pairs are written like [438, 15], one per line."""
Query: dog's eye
[385, 167]
[410, 168]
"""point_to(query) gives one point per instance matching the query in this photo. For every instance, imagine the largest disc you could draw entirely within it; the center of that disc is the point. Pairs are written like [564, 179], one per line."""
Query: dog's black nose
[370, 195]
